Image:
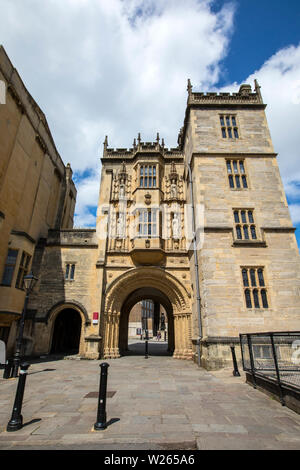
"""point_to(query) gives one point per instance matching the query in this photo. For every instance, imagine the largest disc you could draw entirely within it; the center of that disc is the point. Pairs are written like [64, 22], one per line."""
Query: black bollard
[146, 345]
[16, 420]
[235, 371]
[101, 414]
[7, 369]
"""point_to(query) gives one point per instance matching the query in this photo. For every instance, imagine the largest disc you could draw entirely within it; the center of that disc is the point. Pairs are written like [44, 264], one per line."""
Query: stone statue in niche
[175, 227]
[120, 227]
[173, 190]
[122, 191]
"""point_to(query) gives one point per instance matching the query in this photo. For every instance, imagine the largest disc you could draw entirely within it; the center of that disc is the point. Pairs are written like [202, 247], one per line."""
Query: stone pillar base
[112, 353]
[179, 354]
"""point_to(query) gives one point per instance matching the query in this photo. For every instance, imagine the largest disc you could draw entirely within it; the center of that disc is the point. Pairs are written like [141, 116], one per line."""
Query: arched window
[246, 232]
[255, 297]
[248, 298]
[253, 232]
[245, 277]
[239, 232]
[252, 276]
[261, 277]
[264, 298]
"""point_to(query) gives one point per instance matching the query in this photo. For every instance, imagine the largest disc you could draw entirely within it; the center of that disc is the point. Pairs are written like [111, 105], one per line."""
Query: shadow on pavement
[155, 348]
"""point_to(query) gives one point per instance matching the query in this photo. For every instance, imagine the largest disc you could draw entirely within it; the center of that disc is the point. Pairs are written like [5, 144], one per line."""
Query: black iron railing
[274, 356]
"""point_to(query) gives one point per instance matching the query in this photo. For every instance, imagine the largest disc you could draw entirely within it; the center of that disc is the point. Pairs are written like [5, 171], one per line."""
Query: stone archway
[66, 336]
[155, 295]
[130, 286]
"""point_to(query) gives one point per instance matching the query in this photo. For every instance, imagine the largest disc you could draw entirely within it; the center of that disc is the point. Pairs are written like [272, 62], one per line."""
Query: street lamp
[29, 282]
[145, 318]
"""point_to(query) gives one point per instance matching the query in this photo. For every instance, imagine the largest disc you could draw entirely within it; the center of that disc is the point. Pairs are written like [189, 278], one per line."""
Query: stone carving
[122, 191]
[120, 227]
[173, 190]
[175, 227]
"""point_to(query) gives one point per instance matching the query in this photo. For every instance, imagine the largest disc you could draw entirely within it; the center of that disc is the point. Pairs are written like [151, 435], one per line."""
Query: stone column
[111, 348]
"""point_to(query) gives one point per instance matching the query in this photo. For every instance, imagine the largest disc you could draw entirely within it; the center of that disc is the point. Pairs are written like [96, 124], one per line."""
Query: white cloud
[87, 197]
[295, 213]
[279, 78]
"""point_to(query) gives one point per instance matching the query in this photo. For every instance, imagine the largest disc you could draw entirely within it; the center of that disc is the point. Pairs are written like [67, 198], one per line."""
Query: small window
[248, 230]
[264, 298]
[70, 272]
[23, 269]
[236, 168]
[229, 127]
[254, 295]
[245, 277]
[9, 267]
[248, 298]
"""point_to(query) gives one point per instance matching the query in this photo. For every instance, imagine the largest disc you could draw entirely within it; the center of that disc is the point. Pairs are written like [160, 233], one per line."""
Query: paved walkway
[159, 403]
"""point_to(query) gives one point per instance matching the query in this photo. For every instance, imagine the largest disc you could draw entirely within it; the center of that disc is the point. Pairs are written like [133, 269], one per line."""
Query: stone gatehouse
[202, 229]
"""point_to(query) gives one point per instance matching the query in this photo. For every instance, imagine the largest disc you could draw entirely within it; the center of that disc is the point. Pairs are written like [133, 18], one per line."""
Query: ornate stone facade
[202, 229]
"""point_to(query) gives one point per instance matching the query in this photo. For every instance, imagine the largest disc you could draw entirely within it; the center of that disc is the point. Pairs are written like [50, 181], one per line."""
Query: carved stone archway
[59, 309]
[176, 295]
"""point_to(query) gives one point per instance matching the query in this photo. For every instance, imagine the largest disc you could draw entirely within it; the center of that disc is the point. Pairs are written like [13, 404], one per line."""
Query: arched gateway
[151, 283]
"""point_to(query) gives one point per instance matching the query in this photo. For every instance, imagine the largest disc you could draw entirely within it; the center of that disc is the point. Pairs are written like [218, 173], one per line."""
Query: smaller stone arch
[65, 304]
[62, 311]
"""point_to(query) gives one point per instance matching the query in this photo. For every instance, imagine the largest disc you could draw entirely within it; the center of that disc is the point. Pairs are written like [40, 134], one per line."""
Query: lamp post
[29, 283]
[145, 318]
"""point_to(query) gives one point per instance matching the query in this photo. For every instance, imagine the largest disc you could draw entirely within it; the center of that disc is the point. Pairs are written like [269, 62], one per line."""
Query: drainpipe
[196, 263]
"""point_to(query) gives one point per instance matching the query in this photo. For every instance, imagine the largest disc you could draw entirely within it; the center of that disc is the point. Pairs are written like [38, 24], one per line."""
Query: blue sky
[120, 67]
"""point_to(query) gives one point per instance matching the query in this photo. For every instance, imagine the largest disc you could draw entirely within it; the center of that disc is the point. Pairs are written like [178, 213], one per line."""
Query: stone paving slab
[161, 401]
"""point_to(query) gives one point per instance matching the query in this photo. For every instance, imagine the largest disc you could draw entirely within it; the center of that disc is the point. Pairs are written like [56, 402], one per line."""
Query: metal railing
[274, 356]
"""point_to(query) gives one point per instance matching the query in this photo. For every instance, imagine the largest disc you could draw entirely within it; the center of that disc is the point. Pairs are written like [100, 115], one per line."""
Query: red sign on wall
[95, 318]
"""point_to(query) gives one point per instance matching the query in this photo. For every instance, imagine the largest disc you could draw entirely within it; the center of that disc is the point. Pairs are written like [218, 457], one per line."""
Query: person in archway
[158, 336]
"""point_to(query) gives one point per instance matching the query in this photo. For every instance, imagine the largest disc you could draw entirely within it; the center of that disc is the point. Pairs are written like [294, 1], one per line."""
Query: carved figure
[175, 227]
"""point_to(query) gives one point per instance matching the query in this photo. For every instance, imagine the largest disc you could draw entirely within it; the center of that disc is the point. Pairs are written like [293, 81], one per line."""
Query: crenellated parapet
[245, 96]
[139, 147]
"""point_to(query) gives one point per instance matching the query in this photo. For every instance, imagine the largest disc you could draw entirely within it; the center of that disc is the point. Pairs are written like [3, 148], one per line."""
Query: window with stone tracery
[147, 223]
[148, 176]
[245, 228]
[255, 290]
[229, 127]
[237, 177]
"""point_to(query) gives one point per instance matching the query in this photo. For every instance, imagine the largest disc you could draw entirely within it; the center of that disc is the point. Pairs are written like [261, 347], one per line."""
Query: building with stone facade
[36, 194]
[147, 315]
[203, 230]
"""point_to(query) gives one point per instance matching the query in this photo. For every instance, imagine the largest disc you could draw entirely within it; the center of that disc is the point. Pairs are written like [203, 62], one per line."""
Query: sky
[120, 67]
